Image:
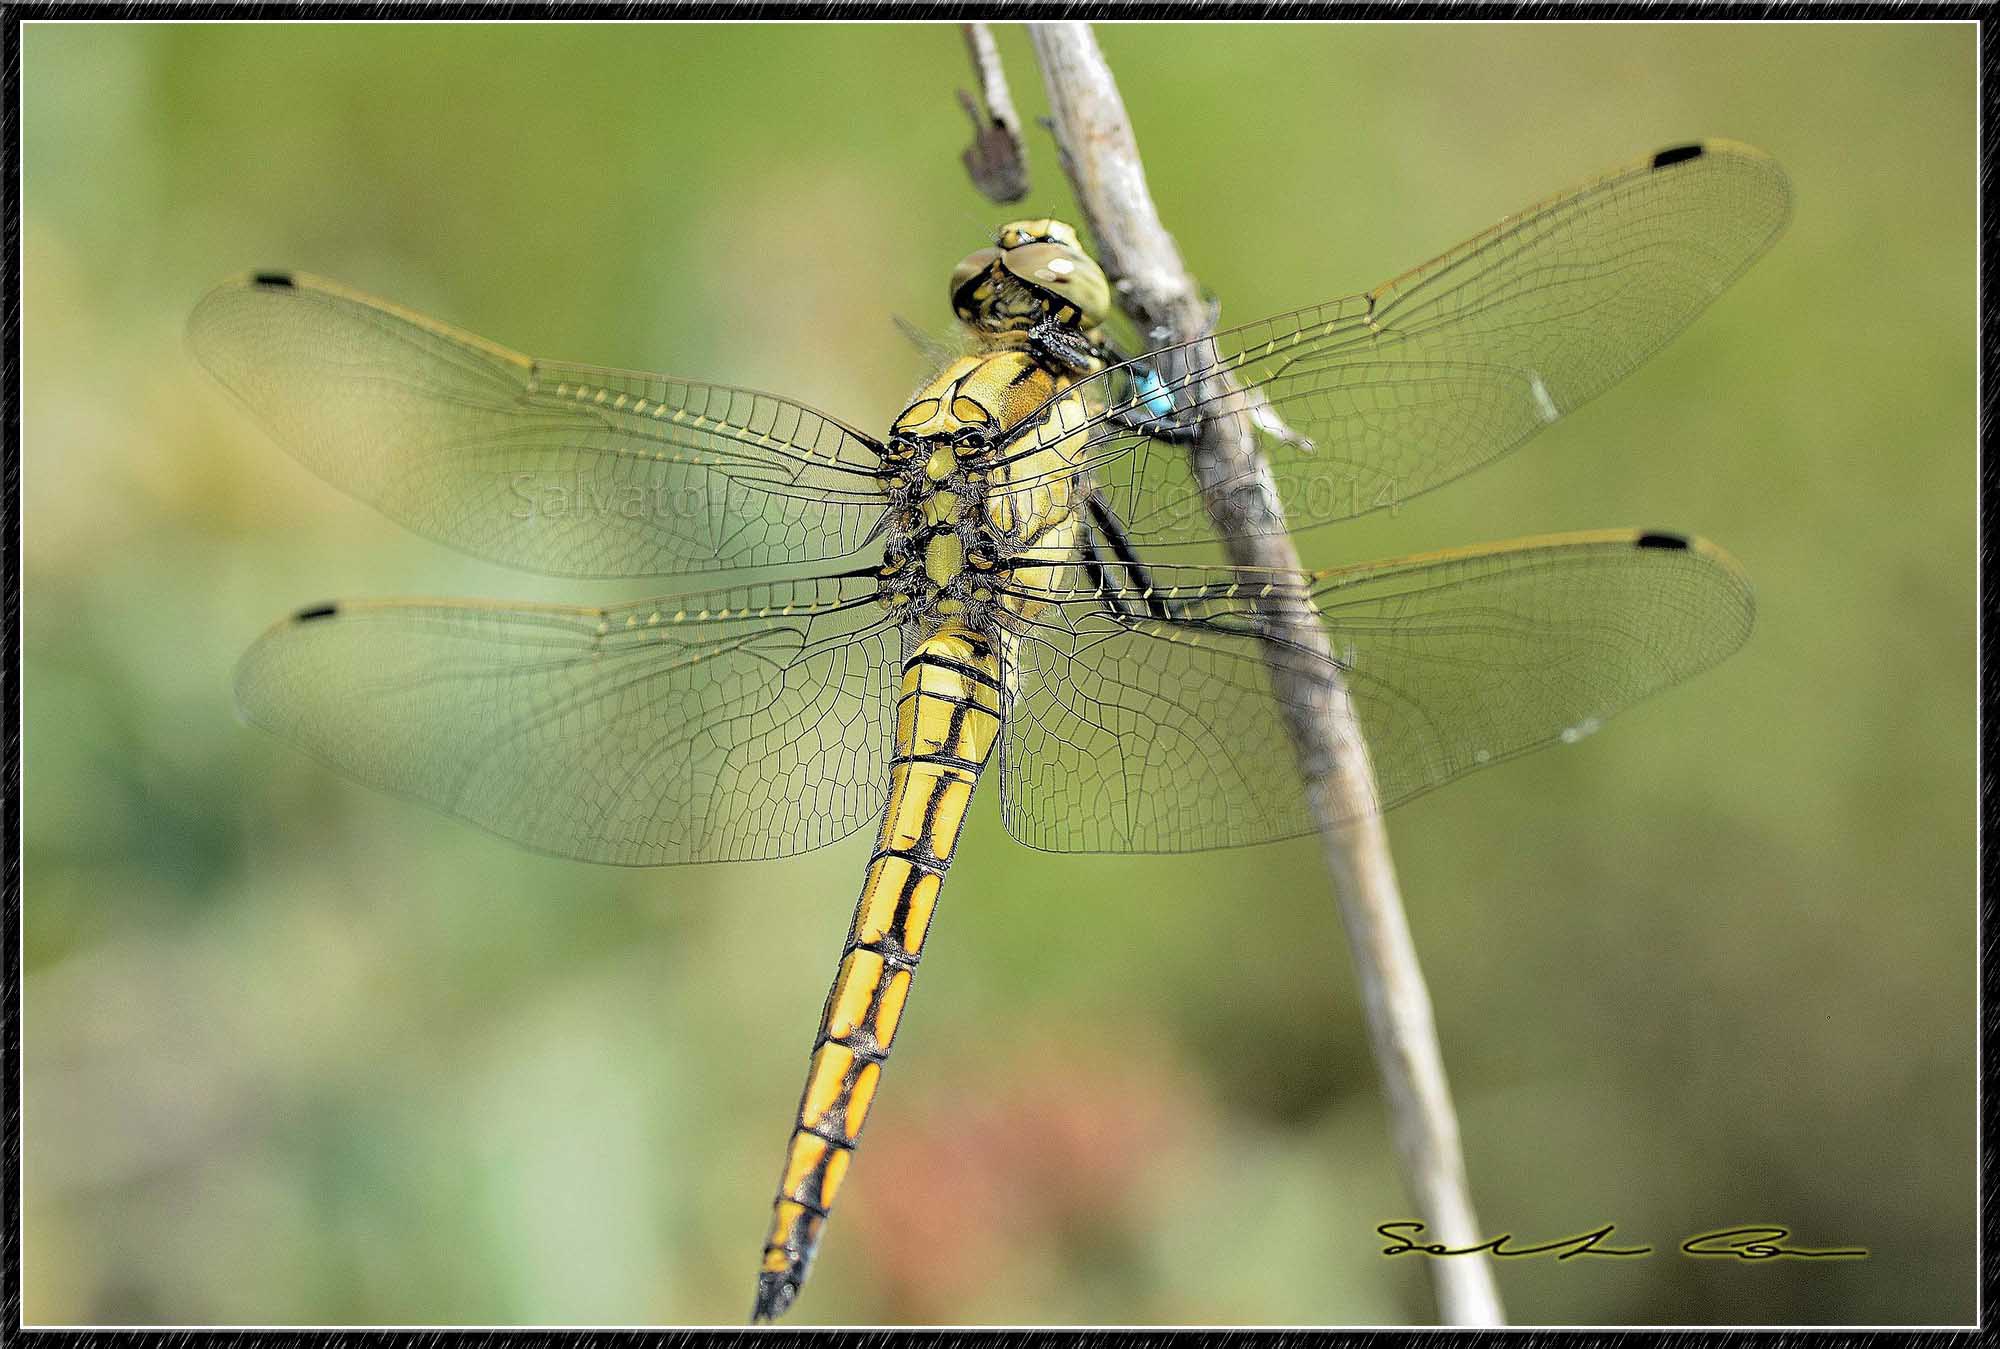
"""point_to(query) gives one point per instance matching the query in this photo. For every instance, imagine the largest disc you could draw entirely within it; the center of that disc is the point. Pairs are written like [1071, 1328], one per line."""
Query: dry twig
[1102, 159]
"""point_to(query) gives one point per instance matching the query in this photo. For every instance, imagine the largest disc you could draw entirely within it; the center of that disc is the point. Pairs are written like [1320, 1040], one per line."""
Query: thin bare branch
[1101, 157]
[997, 159]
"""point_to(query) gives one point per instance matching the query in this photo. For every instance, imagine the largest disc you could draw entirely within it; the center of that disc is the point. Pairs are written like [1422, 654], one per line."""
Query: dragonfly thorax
[969, 497]
[942, 553]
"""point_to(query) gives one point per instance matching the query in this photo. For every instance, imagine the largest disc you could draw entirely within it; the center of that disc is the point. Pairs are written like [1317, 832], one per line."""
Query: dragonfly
[1022, 563]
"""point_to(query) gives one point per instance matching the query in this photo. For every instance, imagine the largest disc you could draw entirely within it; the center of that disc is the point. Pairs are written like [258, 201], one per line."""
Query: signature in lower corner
[1761, 1243]
[1742, 1243]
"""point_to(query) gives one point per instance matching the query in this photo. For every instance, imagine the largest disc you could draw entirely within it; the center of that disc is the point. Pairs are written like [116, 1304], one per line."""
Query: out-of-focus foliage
[296, 1052]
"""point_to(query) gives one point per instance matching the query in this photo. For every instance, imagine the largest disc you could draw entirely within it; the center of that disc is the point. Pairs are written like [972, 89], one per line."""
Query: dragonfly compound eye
[1045, 231]
[1049, 257]
[1039, 272]
[972, 284]
[1067, 279]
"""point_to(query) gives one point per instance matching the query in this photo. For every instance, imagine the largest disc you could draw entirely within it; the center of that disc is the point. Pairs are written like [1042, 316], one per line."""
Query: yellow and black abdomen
[948, 713]
[980, 532]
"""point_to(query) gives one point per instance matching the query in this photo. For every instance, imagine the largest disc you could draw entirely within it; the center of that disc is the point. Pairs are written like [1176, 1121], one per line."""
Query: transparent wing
[1428, 376]
[1134, 732]
[1131, 733]
[741, 723]
[563, 469]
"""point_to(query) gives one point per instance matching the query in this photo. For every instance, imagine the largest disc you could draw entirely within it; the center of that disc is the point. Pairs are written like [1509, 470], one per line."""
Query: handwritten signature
[1741, 1243]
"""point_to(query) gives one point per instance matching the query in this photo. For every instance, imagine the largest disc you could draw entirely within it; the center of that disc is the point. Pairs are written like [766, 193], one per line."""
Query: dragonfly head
[1036, 271]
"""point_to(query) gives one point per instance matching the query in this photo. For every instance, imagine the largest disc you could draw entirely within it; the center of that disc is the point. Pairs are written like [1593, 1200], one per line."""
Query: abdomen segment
[947, 716]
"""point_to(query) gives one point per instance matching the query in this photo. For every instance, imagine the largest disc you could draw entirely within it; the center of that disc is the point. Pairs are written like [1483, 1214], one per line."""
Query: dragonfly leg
[1062, 345]
[947, 718]
[1135, 596]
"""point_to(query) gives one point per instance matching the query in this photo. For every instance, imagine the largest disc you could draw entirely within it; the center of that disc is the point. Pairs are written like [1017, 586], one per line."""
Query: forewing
[1144, 734]
[1428, 376]
[557, 468]
[741, 723]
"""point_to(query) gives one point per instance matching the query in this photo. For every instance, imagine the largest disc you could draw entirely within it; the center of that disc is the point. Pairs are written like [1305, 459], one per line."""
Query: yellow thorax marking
[944, 557]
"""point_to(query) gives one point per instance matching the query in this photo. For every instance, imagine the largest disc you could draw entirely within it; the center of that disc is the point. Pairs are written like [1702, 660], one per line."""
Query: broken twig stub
[997, 159]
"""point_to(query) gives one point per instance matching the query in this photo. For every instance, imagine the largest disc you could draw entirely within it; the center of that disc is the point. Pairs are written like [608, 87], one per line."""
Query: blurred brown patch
[1006, 1161]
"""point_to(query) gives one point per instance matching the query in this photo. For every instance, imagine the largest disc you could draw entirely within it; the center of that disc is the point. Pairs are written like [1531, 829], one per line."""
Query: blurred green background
[296, 1052]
